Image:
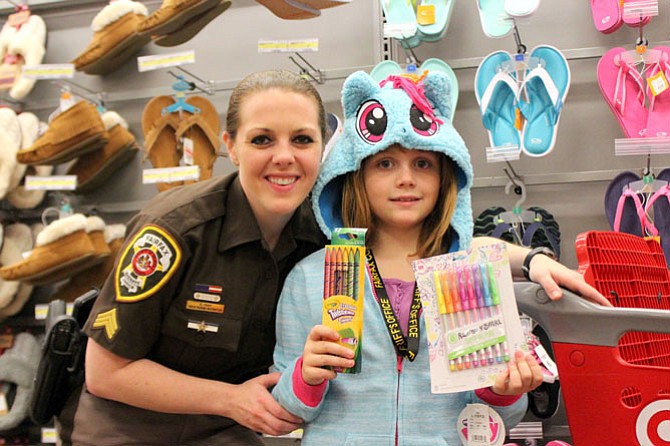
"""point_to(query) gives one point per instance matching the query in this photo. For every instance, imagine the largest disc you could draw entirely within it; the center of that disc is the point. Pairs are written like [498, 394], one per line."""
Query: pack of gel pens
[472, 322]
[343, 285]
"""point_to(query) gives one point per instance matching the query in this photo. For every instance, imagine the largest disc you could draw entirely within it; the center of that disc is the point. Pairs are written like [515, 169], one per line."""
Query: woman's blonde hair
[357, 213]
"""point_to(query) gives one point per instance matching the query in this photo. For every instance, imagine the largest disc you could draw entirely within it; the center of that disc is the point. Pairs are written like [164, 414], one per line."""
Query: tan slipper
[172, 15]
[203, 129]
[324, 4]
[193, 26]
[115, 37]
[160, 140]
[290, 9]
[62, 249]
[96, 167]
[72, 133]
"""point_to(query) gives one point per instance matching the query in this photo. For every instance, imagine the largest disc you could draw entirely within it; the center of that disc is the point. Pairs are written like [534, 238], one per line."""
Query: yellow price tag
[658, 83]
[425, 14]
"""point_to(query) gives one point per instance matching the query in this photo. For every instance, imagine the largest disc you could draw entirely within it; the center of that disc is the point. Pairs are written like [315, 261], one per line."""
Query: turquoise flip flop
[436, 31]
[546, 87]
[401, 13]
[384, 69]
[495, 22]
[497, 94]
[434, 64]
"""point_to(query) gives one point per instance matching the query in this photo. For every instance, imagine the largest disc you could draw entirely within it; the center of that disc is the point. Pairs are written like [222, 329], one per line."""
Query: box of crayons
[472, 322]
[344, 277]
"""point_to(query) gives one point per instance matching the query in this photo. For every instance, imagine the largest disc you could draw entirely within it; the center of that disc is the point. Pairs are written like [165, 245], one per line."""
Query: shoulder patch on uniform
[107, 320]
[148, 262]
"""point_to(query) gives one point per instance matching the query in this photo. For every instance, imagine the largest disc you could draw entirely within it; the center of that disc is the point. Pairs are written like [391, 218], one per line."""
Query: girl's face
[278, 150]
[402, 186]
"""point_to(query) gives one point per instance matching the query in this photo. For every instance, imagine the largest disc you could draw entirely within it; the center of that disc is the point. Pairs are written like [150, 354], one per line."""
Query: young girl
[401, 170]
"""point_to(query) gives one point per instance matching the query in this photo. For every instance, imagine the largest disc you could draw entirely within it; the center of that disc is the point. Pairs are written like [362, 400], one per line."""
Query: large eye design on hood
[371, 121]
[423, 124]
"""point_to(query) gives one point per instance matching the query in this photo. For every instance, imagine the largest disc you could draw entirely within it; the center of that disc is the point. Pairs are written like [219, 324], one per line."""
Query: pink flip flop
[633, 19]
[623, 89]
[607, 15]
[658, 75]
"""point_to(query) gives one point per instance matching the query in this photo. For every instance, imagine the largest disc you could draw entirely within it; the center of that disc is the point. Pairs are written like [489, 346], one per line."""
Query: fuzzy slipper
[160, 140]
[95, 229]
[173, 15]
[115, 37]
[290, 9]
[28, 48]
[62, 249]
[94, 168]
[607, 15]
[203, 129]
[96, 275]
[192, 26]
[622, 88]
[72, 133]
[10, 143]
[18, 239]
[22, 198]
[29, 125]
[658, 122]
[18, 367]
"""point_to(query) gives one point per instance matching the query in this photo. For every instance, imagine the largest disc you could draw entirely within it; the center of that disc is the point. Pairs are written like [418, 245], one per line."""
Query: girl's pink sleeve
[490, 397]
[308, 394]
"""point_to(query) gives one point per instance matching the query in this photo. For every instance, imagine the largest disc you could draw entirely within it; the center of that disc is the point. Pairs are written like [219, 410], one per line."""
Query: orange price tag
[18, 18]
[425, 14]
[658, 83]
[8, 74]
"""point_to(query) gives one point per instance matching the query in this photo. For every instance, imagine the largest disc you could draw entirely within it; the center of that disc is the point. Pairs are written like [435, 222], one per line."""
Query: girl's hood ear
[358, 87]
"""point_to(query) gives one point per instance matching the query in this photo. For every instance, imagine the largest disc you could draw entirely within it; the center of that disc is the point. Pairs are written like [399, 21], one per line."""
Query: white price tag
[54, 182]
[187, 145]
[170, 174]
[48, 71]
[154, 62]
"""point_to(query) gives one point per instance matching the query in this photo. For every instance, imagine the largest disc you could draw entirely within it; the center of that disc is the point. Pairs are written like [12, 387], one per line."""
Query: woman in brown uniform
[182, 334]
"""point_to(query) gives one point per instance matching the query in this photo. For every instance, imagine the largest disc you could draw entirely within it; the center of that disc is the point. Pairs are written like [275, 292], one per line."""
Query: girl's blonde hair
[357, 213]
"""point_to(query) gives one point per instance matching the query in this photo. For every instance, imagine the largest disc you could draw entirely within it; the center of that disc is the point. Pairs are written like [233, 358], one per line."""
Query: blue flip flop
[401, 13]
[497, 94]
[495, 22]
[629, 221]
[436, 30]
[546, 87]
[384, 69]
[435, 64]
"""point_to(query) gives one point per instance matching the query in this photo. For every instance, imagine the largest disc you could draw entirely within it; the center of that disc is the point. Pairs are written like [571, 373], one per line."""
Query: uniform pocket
[203, 329]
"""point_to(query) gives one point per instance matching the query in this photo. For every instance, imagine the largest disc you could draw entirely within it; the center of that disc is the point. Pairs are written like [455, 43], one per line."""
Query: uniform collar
[240, 226]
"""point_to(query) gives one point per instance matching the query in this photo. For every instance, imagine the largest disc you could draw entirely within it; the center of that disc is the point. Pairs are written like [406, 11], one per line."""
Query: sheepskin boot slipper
[95, 228]
[160, 140]
[96, 167]
[62, 249]
[22, 198]
[10, 71]
[172, 15]
[72, 133]
[203, 129]
[17, 240]
[29, 125]
[10, 143]
[192, 26]
[18, 367]
[28, 48]
[96, 275]
[115, 37]
[290, 9]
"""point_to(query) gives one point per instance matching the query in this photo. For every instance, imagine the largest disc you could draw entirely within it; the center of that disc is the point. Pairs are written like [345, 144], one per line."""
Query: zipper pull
[400, 358]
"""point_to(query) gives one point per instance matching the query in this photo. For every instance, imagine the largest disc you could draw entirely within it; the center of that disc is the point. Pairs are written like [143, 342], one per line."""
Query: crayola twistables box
[343, 284]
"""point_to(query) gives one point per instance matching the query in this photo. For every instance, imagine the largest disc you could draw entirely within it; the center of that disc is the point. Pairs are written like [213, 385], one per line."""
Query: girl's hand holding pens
[522, 375]
[321, 353]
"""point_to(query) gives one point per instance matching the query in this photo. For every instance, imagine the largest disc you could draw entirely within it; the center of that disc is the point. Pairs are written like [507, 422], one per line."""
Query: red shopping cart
[614, 363]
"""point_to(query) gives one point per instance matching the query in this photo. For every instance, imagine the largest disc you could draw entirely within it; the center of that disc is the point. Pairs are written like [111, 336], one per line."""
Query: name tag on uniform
[204, 306]
[207, 297]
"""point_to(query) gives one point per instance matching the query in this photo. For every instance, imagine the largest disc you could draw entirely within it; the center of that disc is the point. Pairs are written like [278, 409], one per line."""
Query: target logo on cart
[653, 424]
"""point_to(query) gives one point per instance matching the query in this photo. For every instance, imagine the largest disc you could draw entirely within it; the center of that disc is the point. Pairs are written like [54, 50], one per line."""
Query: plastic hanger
[648, 184]
[181, 87]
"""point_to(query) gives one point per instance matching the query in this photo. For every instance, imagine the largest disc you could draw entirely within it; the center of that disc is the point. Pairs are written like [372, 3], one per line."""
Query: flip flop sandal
[486, 221]
[203, 129]
[623, 89]
[607, 15]
[72, 133]
[536, 235]
[401, 12]
[27, 47]
[115, 37]
[658, 122]
[172, 15]
[160, 140]
[632, 19]
[95, 168]
[495, 22]
[192, 26]
[497, 94]
[384, 69]
[628, 221]
[10, 143]
[435, 29]
[290, 9]
[660, 203]
[434, 64]
[545, 400]
[546, 88]
[521, 8]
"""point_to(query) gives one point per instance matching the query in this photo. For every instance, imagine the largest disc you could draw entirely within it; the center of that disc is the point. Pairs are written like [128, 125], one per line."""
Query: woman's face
[278, 150]
[402, 186]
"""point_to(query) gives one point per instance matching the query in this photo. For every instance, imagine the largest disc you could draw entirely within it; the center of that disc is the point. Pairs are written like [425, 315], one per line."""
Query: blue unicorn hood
[378, 115]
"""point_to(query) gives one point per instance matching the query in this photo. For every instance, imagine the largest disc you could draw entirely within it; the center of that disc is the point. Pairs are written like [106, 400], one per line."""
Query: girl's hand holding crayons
[322, 353]
[522, 375]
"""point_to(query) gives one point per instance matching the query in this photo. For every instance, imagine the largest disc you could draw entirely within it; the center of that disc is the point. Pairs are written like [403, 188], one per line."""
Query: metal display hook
[93, 96]
[207, 89]
[313, 73]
